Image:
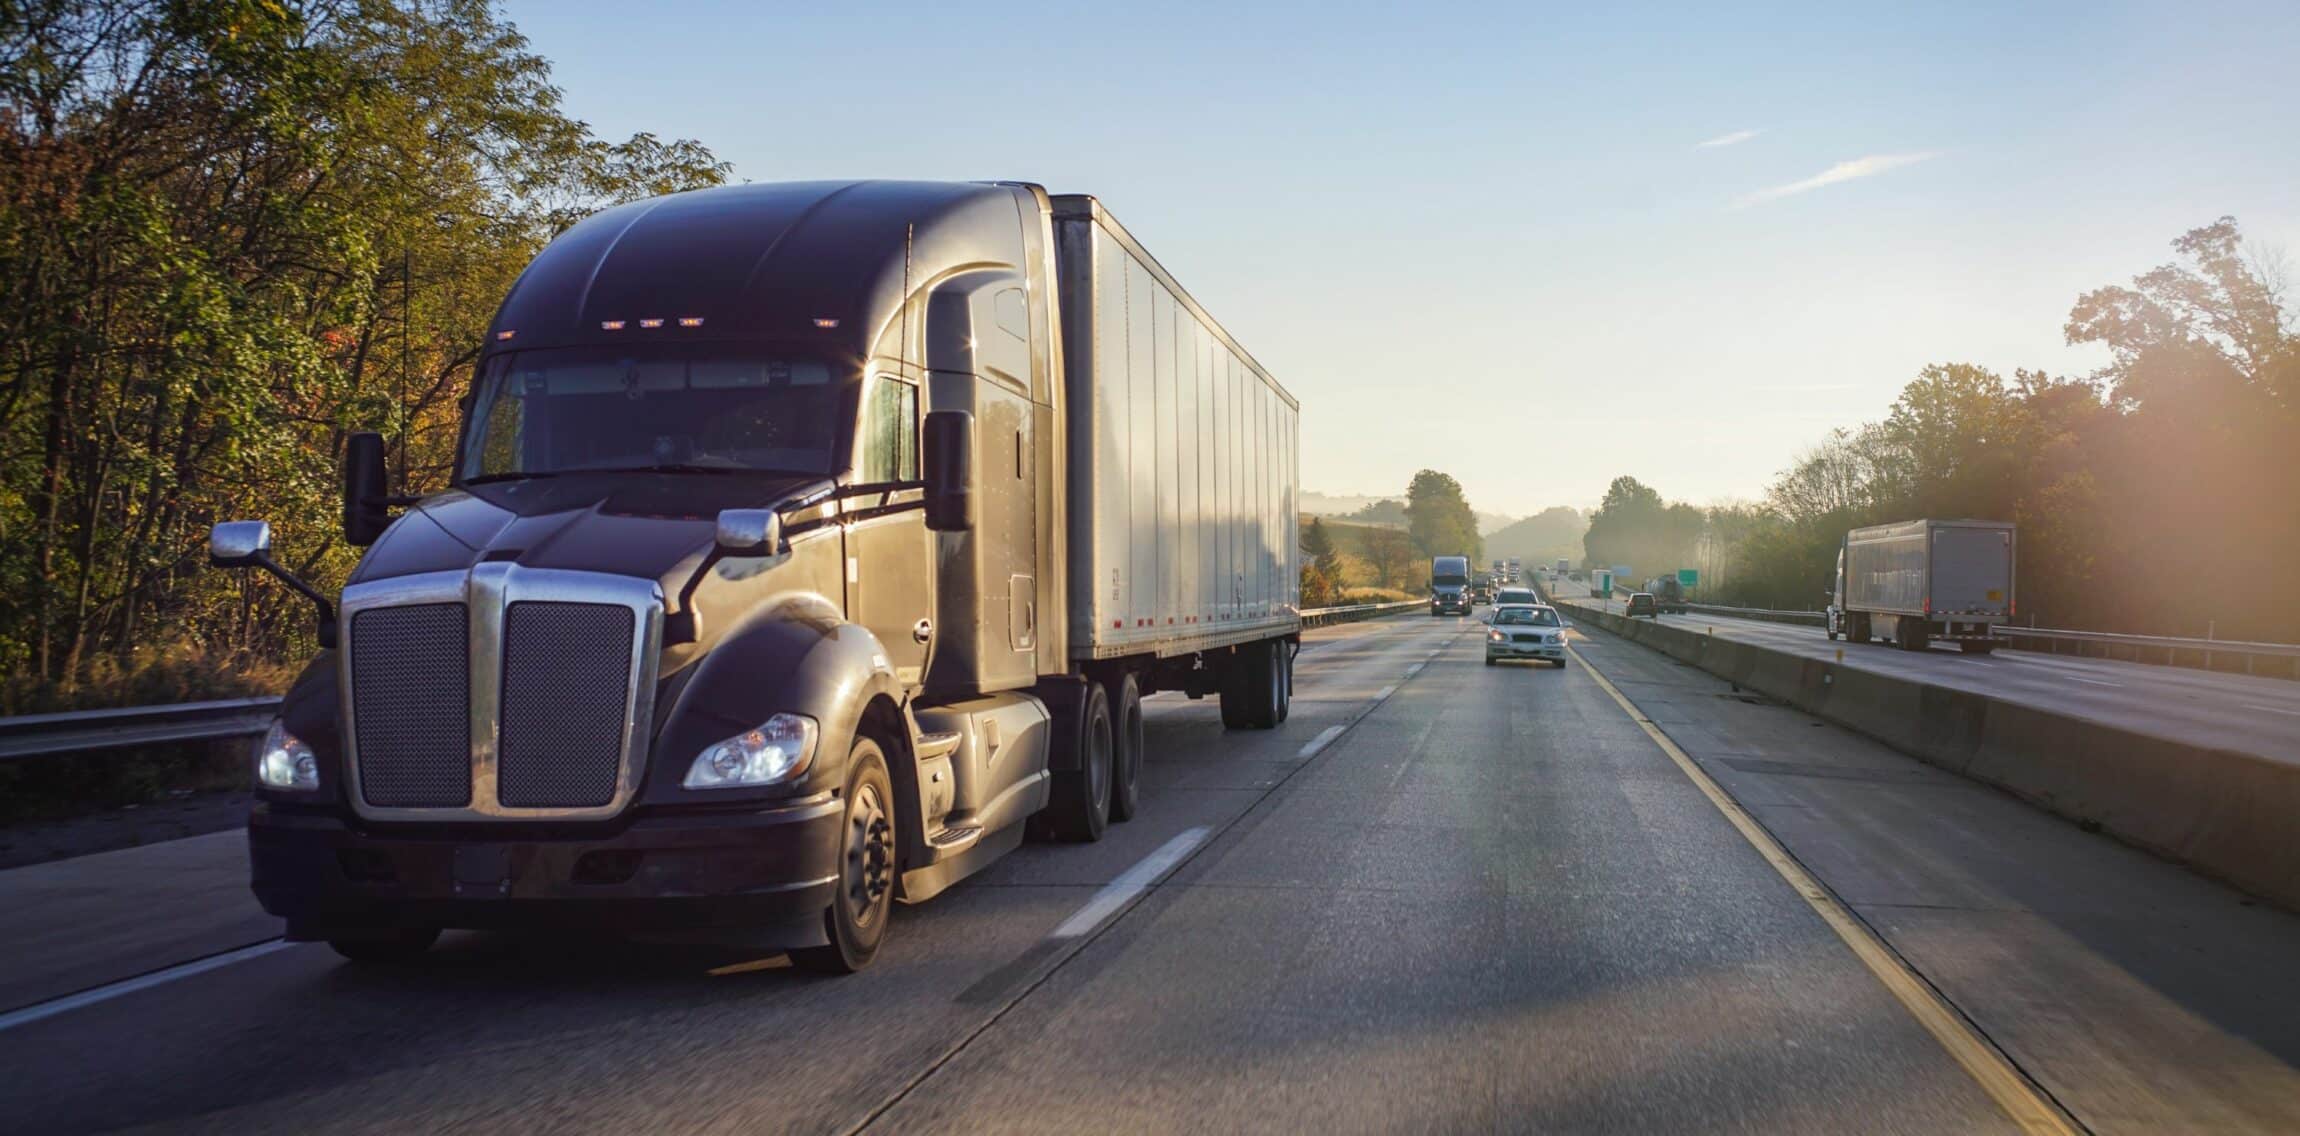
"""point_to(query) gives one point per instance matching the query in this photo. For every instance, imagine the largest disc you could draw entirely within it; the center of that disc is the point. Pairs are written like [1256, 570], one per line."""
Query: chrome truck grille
[411, 697]
[499, 694]
[566, 678]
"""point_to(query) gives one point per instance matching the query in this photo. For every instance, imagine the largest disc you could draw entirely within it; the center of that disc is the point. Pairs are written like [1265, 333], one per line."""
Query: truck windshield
[689, 407]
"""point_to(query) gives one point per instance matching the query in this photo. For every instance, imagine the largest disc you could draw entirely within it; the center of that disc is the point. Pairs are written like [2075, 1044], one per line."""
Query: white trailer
[1183, 489]
[1915, 582]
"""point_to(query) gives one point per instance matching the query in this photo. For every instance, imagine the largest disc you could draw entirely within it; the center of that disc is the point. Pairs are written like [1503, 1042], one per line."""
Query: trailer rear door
[1972, 570]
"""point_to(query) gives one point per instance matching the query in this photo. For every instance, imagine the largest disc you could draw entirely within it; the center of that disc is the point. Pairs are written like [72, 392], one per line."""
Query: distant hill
[1356, 508]
[1545, 536]
[1334, 504]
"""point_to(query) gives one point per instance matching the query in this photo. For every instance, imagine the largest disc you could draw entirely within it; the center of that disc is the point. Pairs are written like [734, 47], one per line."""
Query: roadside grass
[62, 786]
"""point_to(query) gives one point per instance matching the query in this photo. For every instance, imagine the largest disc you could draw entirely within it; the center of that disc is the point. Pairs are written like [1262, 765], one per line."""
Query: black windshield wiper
[486, 478]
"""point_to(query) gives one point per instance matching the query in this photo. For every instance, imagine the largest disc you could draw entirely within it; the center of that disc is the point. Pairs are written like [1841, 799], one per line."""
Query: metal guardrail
[1321, 616]
[2136, 648]
[2205, 650]
[44, 735]
[41, 735]
[1810, 618]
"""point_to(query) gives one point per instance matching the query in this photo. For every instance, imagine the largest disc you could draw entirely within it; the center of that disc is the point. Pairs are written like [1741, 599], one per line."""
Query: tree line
[231, 233]
[1435, 519]
[2154, 496]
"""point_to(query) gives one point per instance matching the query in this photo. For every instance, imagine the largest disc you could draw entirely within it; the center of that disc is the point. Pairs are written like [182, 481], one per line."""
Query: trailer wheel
[1079, 810]
[1283, 654]
[1971, 648]
[1126, 749]
[1919, 640]
[857, 917]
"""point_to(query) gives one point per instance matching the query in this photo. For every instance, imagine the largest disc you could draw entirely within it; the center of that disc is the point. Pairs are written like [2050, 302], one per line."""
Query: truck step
[950, 839]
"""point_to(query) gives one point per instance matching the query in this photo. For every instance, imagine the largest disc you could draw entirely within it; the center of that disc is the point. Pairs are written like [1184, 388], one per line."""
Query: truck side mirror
[949, 442]
[365, 507]
[239, 544]
[750, 532]
[248, 544]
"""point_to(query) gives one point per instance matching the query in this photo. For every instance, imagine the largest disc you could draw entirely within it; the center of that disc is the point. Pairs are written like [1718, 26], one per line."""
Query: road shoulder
[2140, 996]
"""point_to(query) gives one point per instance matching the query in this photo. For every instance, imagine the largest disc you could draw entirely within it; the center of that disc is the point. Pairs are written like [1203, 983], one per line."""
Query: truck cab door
[889, 552]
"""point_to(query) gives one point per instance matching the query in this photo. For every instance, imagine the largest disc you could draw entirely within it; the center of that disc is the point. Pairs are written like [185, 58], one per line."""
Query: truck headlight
[285, 762]
[778, 750]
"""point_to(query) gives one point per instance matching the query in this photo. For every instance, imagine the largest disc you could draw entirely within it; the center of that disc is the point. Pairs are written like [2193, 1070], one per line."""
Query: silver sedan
[1525, 631]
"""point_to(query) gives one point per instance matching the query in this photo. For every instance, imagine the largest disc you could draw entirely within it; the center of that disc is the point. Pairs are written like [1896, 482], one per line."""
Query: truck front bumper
[326, 875]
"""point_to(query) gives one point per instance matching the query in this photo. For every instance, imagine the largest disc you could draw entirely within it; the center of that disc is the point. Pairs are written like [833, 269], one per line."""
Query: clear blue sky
[1488, 239]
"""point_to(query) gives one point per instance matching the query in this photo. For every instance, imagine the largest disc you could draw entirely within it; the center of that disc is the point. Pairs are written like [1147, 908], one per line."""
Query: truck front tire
[856, 920]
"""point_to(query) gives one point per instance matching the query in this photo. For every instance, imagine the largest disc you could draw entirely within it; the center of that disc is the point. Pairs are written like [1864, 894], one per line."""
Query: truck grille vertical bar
[411, 688]
[566, 697]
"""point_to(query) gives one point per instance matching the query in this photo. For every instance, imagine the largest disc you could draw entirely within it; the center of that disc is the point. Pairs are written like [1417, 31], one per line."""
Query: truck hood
[649, 526]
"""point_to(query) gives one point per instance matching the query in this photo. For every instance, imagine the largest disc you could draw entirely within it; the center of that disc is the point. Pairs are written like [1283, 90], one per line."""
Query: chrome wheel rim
[869, 854]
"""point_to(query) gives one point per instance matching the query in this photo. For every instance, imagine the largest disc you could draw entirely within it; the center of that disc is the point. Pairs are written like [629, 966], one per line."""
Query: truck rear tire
[1126, 746]
[1971, 648]
[856, 920]
[1079, 808]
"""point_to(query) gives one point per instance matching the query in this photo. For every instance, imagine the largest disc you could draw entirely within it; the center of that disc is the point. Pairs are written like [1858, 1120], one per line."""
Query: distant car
[1525, 631]
[1641, 603]
[1521, 596]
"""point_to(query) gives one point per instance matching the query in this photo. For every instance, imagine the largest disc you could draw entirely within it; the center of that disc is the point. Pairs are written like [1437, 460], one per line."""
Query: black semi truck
[807, 543]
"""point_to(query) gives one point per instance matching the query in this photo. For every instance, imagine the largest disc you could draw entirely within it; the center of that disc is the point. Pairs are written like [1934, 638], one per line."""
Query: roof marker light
[690, 321]
[610, 325]
[503, 335]
[825, 323]
[657, 322]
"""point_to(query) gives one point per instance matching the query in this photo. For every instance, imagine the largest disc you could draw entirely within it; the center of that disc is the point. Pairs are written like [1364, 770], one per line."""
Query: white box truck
[1915, 582]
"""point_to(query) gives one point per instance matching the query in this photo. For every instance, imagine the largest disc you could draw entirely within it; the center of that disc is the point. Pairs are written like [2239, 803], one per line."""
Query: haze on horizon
[1535, 249]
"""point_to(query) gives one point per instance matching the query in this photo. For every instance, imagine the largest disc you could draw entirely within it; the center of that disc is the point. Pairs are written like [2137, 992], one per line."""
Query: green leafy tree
[1440, 519]
[230, 233]
[1395, 563]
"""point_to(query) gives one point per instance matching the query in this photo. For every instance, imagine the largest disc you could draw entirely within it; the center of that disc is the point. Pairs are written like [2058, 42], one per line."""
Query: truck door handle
[923, 630]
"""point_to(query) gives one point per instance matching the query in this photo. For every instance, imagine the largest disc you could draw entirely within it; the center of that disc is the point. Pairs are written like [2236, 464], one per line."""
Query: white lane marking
[1415, 669]
[1130, 883]
[1322, 741]
[1383, 695]
[42, 1010]
[2270, 709]
[2093, 681]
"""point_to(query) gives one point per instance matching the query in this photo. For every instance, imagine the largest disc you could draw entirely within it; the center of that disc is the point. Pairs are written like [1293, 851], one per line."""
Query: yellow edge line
[1996, 1075]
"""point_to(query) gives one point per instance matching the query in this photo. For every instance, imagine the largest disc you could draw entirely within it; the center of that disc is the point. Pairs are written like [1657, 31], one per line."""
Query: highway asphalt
[2253, 714]
[1442, 897]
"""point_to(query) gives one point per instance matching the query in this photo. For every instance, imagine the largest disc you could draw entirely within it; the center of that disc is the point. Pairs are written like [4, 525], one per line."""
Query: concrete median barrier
[2234, 816]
